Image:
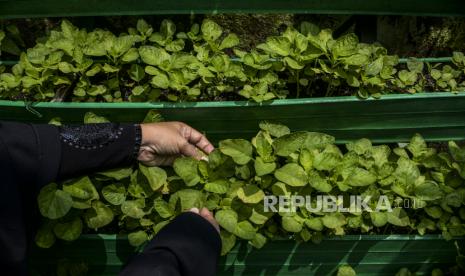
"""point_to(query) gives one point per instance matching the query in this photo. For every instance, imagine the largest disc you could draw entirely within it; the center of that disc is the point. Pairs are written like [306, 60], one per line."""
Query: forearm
[41, 153]
[96, 147]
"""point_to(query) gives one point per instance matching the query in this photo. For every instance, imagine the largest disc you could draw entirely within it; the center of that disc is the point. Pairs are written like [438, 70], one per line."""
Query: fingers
[209, 216]
[189, 150]
[206, 215]
[196, 138]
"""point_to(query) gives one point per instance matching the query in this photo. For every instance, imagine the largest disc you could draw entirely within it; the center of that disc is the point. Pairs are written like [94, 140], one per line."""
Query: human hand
[206, 215]
[163, 142]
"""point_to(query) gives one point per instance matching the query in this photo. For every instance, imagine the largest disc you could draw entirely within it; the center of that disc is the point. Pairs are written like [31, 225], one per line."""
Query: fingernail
[194, 210]
[204, 158]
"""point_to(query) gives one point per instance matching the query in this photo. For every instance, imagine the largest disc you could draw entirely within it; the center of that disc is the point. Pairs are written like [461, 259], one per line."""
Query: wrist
[138, 138]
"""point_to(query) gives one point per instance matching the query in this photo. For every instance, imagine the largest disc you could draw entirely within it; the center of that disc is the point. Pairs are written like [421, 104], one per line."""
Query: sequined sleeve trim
[90, 136]
[138, 140]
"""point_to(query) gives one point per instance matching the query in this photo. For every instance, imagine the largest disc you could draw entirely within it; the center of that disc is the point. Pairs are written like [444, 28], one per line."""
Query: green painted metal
[367, 254]
[50, 8]
[393, 118]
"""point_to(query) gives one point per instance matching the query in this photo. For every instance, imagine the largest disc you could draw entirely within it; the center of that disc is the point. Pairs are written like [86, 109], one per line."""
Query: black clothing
[32, 156]
[188, 246]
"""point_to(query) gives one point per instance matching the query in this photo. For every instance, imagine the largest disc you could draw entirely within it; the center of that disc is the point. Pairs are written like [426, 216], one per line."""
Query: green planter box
[367, 254]
[393, 118]
[48, 8]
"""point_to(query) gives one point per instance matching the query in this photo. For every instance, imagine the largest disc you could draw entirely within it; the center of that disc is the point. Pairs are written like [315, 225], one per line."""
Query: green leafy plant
[140, 200]
[203, 64]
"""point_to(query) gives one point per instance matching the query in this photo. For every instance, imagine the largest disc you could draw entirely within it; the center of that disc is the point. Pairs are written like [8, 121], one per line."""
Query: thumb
[190, 150]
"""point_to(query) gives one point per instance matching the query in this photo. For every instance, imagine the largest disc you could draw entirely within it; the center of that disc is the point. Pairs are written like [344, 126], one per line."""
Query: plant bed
[368, 254]
[235, 182]
[152, 68]
[204, 63]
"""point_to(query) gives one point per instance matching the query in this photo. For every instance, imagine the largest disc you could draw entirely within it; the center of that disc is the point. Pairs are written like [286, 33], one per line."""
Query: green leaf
[375, 67]
[114, 193]
[314, 224]
[428, 190]
[345, 46]
[107, 68]
[293, 64]
[231, 40]
[227, 219]
[290, 224]
[160, 81]
[153, 116]
[250, 194]
[54, 203]
[319, 183]
[159, 226]
[346, 270]
[66, 68]
[290, 143]
[457, 153]
[263, 168]
[398, 217]
[136, 72]
[92, 118]
[130, 56]
[186, 168]
[360, 177]
[406, 172]
[262, 143]
[258, 241]
[415, 65]
[137, 238]
[358, 60]
[327, 160]
[307, 28]
[277, 45]
[219, 186]
[228, 241]
[333, 220]
[276, 130]
[210, 30]
[259, 216]
[292, 174]
[156, 176]
[245, 230]
[434, 211]
[68, 231]
[133, 208]
[240, 150]
[163, 208]
[117, 174]
[379, 219]
[360, 147]
[45, 237]
[99, 216]
[175, 46]
[191, 198]
[81, 188]
[153, 55]
[407, 77]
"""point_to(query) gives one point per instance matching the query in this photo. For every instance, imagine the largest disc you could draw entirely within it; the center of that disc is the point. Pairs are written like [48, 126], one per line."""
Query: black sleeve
[88, 148]
[42, 154]
[34, 155]
[187, 246]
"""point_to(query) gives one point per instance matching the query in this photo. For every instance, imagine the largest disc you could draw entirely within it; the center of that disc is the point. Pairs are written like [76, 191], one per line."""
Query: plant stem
[298, 84]
[328, 90]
